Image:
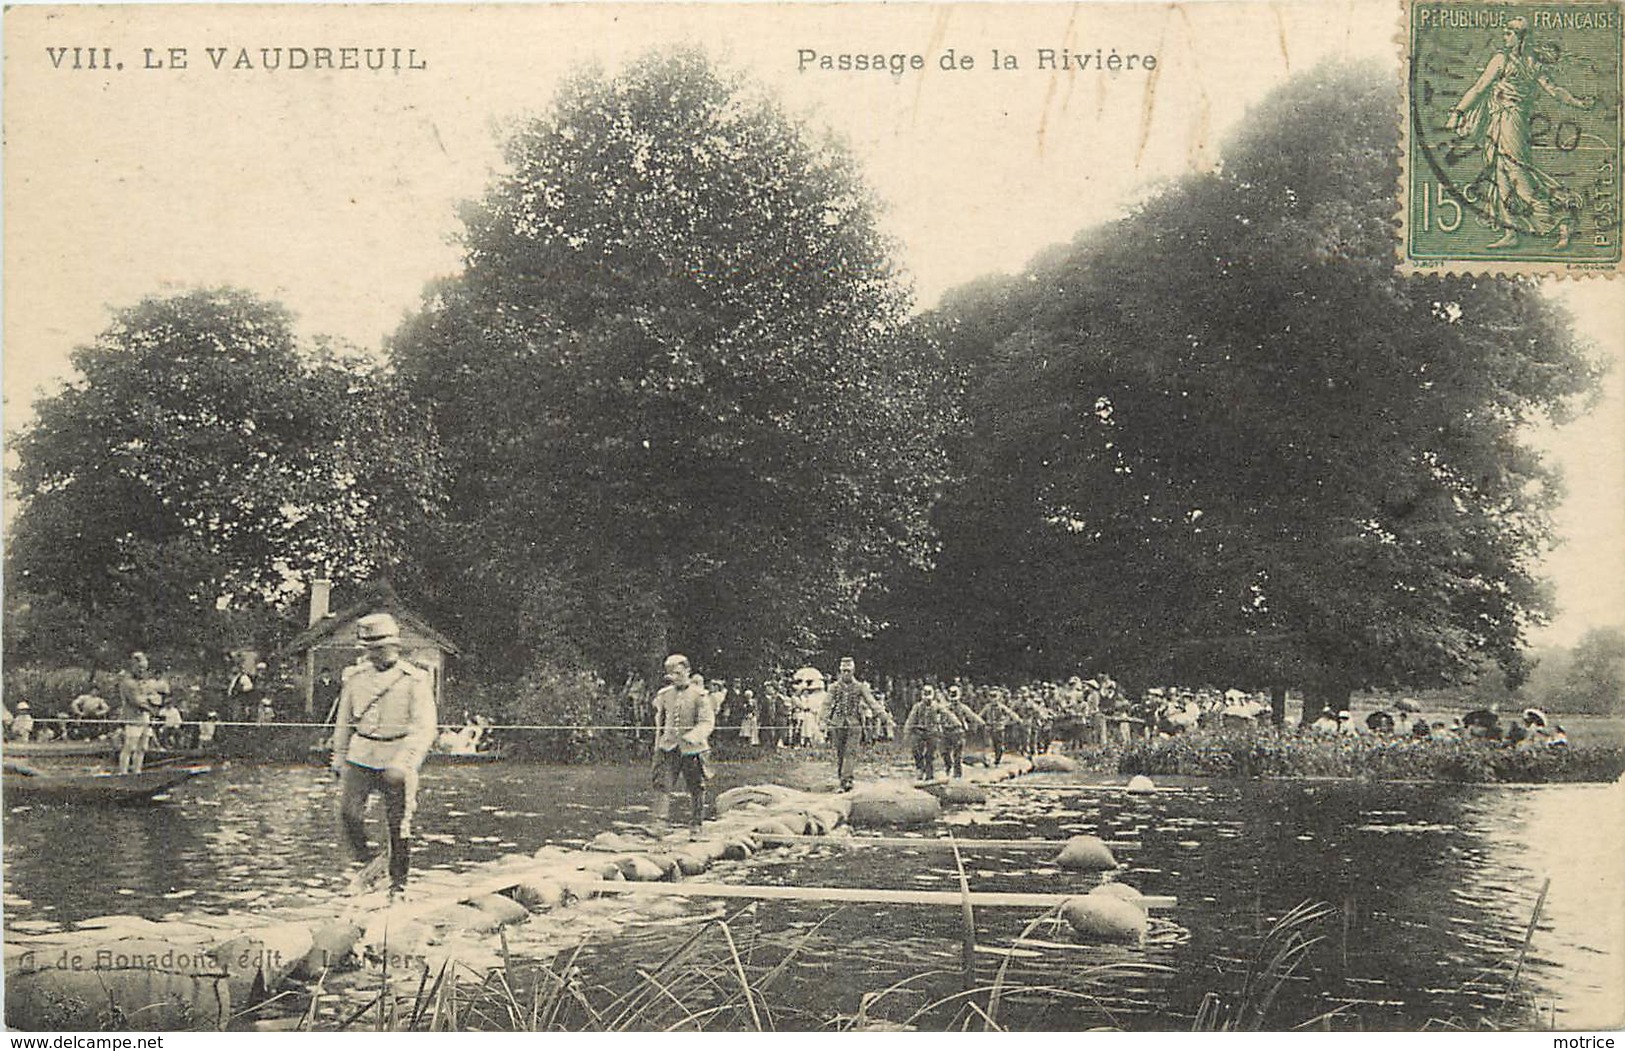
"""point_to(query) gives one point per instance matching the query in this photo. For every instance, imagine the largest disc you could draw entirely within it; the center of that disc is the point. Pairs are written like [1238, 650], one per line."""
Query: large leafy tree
[1595, 679]
[198, 468]
[678, 400]
[1224, 439]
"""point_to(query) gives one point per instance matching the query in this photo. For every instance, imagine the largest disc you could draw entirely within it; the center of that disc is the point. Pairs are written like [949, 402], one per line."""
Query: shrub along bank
[1263, 754]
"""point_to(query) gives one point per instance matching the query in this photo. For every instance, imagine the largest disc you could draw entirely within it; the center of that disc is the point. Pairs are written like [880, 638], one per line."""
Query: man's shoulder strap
[386, 679]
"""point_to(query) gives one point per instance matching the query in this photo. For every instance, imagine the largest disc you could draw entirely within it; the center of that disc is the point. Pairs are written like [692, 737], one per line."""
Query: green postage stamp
[1512, 152]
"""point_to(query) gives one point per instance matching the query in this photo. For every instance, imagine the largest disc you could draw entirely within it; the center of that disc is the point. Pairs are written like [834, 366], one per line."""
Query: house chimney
[321, 591]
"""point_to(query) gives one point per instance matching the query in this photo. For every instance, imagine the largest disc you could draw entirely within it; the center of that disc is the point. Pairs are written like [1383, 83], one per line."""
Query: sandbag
[501, 908]
[618, 842]
[828, 818]
[691, 862]
[1053, 763]
[1122, 892]
[773, 826]
[332, 945]
[739, 848]
[119, 999]
[640, 867]
[574, 884]
[1086, 854]
[761, 795]
[1101, 917]
[712, 850]
[540, 893]
[884, 803]
[460, 917]
[257, 961]
[961, 792]
[394, 937]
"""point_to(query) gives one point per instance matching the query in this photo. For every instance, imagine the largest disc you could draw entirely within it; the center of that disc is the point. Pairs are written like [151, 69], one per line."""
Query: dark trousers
[357, 784]
[953, 755]
[673, 768]
[845, 739]
[925, 756]
[996, 736]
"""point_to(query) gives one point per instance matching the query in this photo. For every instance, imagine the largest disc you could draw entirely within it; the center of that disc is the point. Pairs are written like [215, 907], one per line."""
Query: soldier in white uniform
[386, 724]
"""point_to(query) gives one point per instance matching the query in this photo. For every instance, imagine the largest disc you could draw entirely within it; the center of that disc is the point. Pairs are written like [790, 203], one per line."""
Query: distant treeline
[679, 397]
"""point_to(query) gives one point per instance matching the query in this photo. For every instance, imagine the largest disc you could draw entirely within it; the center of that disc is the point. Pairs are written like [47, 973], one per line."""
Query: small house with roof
[329, 643]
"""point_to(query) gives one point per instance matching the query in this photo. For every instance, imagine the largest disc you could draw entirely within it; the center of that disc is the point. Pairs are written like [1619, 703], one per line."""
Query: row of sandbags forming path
[216, 971]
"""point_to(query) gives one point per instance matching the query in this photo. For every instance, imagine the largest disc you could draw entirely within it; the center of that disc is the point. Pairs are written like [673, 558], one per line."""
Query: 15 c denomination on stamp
[1512, 146]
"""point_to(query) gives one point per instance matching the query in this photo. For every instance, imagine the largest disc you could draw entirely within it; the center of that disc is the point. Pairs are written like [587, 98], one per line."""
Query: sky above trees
[338, 198]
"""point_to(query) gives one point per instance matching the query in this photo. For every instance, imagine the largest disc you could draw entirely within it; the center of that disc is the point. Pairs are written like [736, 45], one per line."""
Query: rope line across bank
[115, 723]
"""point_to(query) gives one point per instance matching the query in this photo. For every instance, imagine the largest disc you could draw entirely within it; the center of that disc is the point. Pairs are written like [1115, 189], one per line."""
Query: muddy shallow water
[1432, 887]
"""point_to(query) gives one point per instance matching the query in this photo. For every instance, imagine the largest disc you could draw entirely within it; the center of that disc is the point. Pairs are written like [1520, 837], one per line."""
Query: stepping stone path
[198, 971]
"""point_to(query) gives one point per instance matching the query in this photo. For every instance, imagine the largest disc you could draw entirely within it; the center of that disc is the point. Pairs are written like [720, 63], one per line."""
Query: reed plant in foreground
[1282, 950]
[722, 977]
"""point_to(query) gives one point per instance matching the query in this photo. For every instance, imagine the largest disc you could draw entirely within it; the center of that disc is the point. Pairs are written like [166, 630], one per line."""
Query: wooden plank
[857, 895]
[1051, 786]
[934, 842]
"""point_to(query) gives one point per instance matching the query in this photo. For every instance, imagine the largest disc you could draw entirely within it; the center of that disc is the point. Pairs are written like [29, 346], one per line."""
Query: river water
[1431, 887]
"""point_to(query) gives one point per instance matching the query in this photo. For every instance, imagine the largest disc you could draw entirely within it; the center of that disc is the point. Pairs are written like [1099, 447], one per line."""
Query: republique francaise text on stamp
[1512, 153]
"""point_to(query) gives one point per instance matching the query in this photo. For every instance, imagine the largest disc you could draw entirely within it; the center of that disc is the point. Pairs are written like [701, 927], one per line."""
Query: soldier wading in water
[848, 703]
[386, 723]
[683, 724]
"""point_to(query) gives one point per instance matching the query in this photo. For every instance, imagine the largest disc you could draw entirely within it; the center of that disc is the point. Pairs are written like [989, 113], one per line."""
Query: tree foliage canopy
[679, 404]
[674, 400]
[1595, 678]
[1223, 438]
[199, 462]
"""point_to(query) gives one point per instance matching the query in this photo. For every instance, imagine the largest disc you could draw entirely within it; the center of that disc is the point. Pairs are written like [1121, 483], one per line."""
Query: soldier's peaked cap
[377, 629]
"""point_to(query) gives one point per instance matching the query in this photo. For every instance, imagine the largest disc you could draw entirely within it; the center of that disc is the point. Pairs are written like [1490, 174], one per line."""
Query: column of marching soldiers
[935, 718]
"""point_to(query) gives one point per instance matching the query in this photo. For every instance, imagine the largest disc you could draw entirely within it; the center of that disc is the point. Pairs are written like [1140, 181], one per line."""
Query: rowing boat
[99, 749]
[83, 787]
[44, 749]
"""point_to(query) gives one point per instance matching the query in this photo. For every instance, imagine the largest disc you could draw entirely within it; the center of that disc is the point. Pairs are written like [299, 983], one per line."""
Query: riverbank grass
[1271, 754]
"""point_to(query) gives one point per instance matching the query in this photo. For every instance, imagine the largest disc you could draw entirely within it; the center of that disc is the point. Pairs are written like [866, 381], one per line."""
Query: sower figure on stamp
[683, 724]
[1496, 111]
[846, 705]
[385, 726]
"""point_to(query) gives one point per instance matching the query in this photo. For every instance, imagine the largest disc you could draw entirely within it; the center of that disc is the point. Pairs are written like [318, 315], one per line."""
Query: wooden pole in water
[933, 843]
[856, 895]
[1529, 933]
